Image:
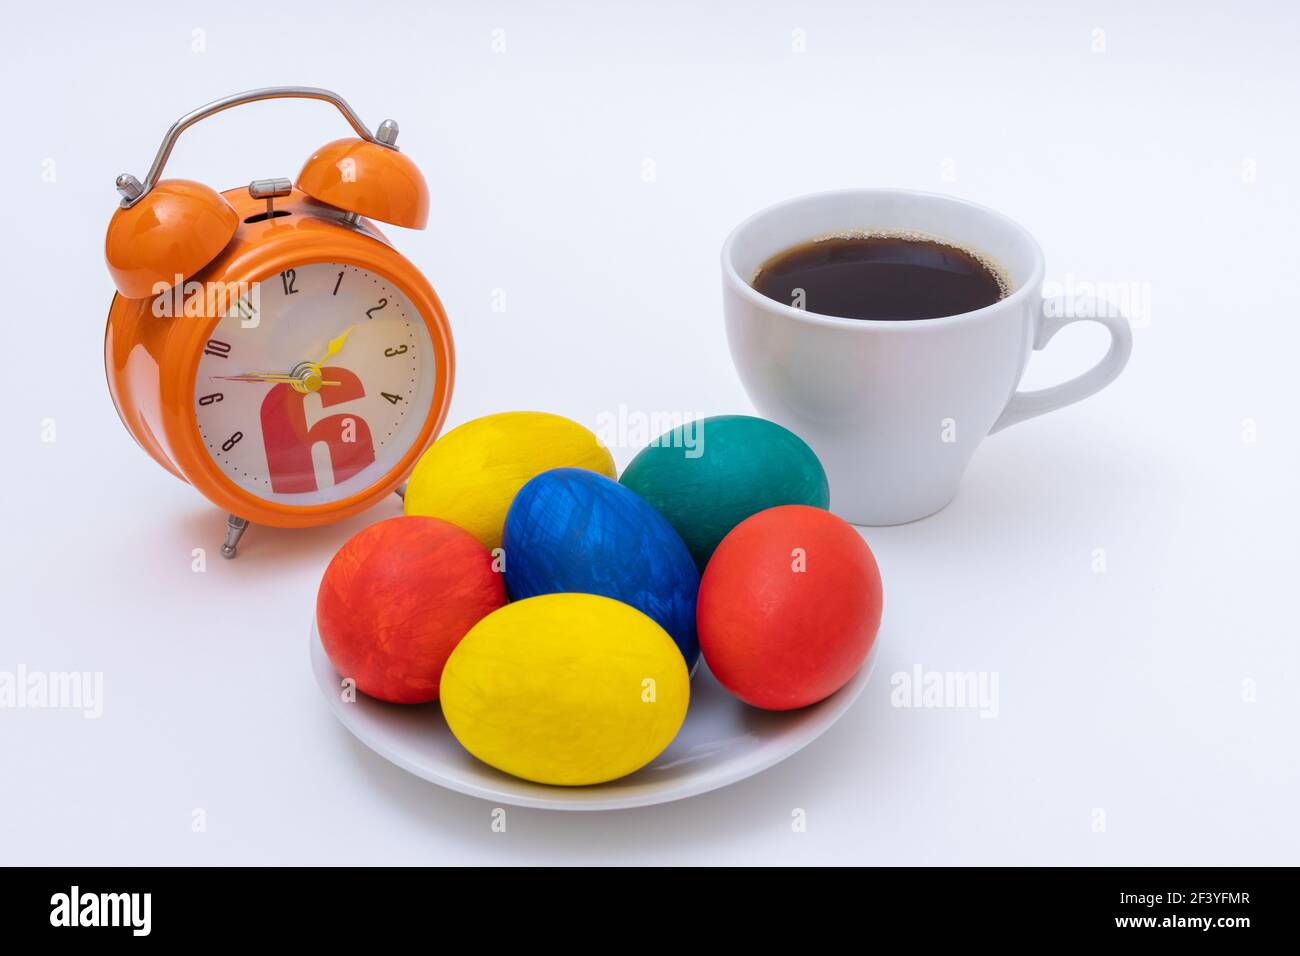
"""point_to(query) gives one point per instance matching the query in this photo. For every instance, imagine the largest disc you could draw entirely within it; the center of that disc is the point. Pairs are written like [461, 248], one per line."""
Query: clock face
[315, 387]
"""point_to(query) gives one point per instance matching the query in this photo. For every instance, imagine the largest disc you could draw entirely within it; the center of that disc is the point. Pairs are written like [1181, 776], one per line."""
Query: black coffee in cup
[882, 277]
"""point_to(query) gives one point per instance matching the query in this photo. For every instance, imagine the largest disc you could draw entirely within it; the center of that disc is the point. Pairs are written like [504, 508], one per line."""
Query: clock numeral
[288, 278]
[232, 441]
[217, 348]
[391, 397]
[400, 350]
[370, 313]
[211, 399]
[337, 284]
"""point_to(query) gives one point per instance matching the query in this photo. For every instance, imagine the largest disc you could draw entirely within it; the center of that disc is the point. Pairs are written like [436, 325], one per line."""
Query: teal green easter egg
[709, 475]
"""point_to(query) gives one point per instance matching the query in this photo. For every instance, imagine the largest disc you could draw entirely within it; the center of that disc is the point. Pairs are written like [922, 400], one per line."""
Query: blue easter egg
[572, 530]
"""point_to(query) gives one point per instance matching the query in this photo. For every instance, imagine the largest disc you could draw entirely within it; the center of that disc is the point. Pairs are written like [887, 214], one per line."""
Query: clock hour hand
[309, 377]
[335, 346]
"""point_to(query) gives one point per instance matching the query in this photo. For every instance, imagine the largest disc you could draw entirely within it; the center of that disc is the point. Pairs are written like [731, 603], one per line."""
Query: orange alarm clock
[268, 344]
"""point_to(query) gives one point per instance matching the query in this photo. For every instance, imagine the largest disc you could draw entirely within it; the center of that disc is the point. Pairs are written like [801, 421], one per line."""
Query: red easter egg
[397, 599]
[789, 606]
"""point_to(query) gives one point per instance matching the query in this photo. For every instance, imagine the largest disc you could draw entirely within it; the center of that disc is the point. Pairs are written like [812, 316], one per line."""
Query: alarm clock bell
[166, 230]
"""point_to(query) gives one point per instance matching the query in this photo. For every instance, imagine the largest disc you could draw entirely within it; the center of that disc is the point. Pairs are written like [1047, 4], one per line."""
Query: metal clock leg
[235, 528]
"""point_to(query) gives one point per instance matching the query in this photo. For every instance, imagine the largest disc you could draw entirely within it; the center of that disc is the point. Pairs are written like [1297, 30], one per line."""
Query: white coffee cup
[895, 410]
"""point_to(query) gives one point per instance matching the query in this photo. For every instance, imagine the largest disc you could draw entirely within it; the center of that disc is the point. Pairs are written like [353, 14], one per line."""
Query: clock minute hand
[309, 379]
[271, 377]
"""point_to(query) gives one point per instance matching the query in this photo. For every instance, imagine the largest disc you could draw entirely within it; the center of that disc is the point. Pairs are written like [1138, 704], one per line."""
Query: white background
[1162, 692]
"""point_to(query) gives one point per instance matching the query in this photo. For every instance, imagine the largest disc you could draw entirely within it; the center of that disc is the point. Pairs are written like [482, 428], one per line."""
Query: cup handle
[1025, 405]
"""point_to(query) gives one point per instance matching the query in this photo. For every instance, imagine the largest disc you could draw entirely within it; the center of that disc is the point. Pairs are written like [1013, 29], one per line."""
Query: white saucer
[722, 741]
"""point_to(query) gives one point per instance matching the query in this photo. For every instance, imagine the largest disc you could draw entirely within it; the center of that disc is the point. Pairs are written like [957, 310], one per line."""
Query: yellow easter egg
[470, 475]
[566, 689]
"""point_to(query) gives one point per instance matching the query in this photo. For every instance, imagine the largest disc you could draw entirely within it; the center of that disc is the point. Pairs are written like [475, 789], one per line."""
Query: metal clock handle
[133, 190]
